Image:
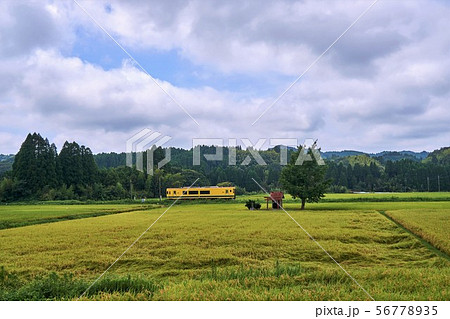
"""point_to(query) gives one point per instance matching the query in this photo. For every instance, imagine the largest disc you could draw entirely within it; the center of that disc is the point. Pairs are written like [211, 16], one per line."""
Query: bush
[66, 287]
[240, 190]
[338, 189]
[225, 184]
[251, 205]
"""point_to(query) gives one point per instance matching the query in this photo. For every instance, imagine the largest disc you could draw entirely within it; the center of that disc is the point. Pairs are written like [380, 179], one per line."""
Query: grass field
[389, 196]
[24, 215]
[430, 224]
[222, 251]
[369, 197]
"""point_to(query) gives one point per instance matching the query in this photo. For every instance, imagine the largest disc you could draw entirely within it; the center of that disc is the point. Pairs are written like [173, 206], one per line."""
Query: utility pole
[160, 196]
[428, 183]
[131, 189]
[439, 184]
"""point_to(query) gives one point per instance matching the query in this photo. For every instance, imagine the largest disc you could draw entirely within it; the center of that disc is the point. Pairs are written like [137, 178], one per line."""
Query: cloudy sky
[385, 85]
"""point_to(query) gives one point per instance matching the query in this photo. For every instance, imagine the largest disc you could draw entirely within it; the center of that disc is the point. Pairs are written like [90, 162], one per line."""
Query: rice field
[370, 197]
[24, 215]
[430, 224]
[222, 251]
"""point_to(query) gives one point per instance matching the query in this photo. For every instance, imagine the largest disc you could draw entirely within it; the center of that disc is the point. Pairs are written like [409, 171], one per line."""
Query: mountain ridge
[6, 160]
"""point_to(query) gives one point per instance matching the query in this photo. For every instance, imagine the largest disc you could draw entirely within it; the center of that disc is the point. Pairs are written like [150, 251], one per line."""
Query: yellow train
[201, 192]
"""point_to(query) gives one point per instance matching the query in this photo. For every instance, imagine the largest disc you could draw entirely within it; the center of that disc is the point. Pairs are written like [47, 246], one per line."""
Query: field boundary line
[136, 62]
[72, 217]
[134, 242]
[317, 243]
[422, 240]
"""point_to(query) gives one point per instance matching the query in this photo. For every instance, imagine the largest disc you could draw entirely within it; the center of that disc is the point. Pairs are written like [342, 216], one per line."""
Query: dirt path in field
[13, 224]
[426, 243]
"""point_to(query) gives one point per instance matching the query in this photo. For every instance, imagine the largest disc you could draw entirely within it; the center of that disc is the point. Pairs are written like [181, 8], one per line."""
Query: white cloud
[383, 86]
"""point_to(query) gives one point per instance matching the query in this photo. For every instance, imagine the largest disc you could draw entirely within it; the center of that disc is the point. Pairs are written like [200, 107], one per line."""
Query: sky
[384, 85]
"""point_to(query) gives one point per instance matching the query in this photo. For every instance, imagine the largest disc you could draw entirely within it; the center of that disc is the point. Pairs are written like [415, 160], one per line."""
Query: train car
[209, 192]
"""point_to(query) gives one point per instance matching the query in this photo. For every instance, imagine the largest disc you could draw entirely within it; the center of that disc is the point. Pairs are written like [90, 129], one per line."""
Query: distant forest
[39, 172]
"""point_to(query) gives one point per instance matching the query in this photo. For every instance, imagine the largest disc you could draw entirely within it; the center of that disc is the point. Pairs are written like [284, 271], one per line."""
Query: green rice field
[23, 215]
[396, 250]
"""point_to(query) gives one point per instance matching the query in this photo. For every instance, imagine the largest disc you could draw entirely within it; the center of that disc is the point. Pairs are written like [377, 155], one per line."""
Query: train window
[168, 192]
[226, 191]
[184, 192]
[193, 192]
[205, 192]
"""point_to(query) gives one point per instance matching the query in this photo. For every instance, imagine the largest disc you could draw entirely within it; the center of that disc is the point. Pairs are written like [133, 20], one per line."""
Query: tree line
[39, 172]
[399, 176]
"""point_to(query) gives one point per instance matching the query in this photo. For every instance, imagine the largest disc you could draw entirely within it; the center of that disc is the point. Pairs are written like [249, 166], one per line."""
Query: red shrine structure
[276, 198]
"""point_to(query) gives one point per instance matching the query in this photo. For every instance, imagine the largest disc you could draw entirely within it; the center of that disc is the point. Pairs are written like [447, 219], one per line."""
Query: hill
[394, 156]
[363, 160]
[382, 157]
[441, 156]
[333, 155]
[6, 162]
[7, 158]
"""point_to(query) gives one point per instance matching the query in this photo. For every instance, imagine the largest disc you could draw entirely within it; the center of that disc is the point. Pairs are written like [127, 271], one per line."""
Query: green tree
[305, 181]
[88, 165]
[7, 189]
[35, 164]
[190, 176]
[225, 184]
[70, 164]
[77, 165]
